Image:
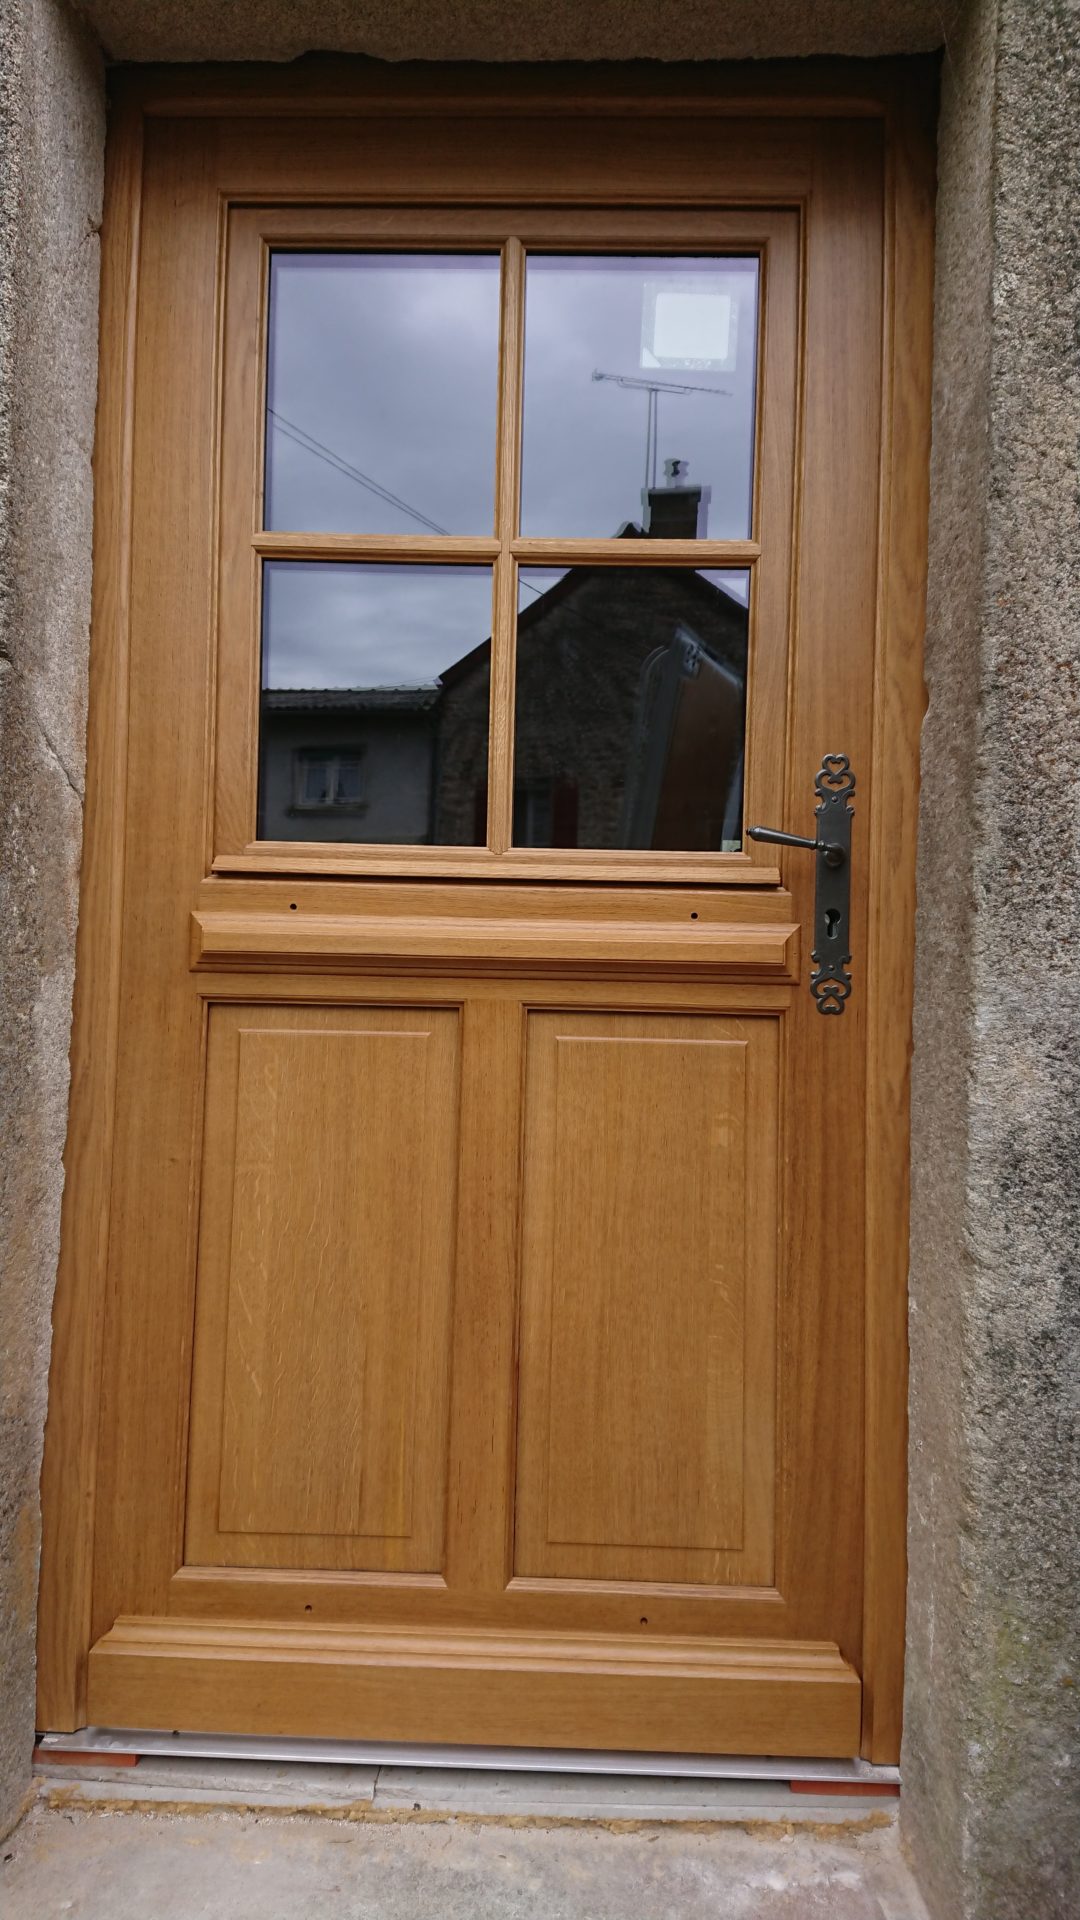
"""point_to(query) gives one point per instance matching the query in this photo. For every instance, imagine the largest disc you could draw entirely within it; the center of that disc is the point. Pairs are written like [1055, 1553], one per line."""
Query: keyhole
[832, 922]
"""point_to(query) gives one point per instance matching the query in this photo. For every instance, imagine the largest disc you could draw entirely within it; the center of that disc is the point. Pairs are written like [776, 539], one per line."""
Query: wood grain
[505, 609]
[822, 1274]
[319, 1410]
[647, 1359]
[71, 1436]
[483, 1402]
[541, 552]
[154, 1199]
[490, 1689]
[575, 865]
[493, 944]
[899, 699]
[433, 547]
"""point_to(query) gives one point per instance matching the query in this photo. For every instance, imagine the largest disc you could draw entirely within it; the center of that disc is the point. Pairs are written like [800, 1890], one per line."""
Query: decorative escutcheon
[834, 784]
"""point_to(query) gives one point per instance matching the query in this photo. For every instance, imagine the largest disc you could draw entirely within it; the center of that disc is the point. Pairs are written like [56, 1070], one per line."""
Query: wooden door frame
[902, 96]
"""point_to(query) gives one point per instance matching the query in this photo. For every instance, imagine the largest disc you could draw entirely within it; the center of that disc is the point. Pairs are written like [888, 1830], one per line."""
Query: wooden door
[481, 1316]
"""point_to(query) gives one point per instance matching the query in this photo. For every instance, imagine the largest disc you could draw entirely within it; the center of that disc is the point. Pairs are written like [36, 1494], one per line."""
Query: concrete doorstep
[351, 1791]
[173, 1839]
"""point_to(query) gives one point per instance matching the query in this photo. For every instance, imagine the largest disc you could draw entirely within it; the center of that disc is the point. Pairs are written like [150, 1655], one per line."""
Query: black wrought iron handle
[834, 784]
[835, 854]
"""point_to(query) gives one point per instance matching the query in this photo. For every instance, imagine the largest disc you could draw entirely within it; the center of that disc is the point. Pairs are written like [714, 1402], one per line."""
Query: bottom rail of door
[478, 1688]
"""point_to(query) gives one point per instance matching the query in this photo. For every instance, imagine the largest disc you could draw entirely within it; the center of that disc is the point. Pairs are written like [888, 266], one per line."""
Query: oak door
[499, 1338]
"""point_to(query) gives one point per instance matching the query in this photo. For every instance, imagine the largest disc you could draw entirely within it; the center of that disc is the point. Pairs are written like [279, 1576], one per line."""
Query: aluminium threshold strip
[284, 1749]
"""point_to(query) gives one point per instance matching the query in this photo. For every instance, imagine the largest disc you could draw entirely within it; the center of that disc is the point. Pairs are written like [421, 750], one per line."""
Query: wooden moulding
[272, 859]
[479, 1688]
[311, 942]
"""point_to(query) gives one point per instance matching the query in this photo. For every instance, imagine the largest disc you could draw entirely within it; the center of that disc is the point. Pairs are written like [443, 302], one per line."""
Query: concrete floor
[407, 1859]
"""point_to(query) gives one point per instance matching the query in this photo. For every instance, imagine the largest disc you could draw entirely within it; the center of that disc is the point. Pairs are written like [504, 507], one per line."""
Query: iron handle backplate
[830, 981]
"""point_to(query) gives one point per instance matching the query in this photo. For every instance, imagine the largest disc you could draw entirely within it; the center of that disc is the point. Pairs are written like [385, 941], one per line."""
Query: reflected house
[629, 720]
[629, 723]
[348, 763]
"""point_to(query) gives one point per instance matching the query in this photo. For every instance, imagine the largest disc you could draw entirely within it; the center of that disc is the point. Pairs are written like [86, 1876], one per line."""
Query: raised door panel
[647, 1411]
[319, 1410]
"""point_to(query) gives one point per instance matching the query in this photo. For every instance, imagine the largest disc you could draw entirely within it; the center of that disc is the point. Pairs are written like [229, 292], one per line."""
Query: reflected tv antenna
[653, 389]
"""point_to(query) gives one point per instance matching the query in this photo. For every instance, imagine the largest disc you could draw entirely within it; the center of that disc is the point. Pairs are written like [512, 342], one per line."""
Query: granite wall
[521, 30]
[991, 1760]
[51, 144]
[992, 1751]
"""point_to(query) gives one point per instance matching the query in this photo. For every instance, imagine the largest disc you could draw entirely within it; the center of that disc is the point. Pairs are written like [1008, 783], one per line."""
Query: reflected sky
[388, 364]
[534, 582]
[382, 391]
[331, 625]
[669, 324]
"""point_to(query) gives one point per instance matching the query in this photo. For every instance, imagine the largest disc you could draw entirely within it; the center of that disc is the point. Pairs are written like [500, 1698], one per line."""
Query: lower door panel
[492, 1424]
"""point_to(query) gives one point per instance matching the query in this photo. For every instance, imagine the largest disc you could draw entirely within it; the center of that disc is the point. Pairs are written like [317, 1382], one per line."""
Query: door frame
[902, 96]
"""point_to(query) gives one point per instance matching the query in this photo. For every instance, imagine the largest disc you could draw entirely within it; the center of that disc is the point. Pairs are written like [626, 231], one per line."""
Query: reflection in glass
[374, 712]
[630, 714]
[638, 371]
[381, 392]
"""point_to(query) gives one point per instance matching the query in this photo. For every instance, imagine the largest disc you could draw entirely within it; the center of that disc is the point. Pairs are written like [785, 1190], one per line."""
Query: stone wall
[51, 144]
[992, 1756]
[518, 29]
[990, 1810]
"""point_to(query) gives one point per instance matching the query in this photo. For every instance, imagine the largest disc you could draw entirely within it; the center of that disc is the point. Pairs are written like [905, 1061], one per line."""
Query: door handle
[833, 851]
[834, 783]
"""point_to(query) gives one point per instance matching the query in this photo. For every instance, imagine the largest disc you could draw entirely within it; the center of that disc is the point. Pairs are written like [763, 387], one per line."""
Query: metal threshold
[383, 1753]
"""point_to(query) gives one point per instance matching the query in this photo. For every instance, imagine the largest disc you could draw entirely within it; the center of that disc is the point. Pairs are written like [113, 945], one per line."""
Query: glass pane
[374, 721]
[381, 393]
[639, 381]
[631, 698]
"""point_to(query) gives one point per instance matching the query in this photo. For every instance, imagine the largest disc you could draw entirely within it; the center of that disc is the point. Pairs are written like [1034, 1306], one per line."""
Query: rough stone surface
[51, 139]
[529, 30]
[993, 1745]
[992, 1761]
[241, 1868]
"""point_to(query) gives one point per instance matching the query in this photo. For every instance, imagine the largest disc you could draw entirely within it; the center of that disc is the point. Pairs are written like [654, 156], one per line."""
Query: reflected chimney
[677, 510]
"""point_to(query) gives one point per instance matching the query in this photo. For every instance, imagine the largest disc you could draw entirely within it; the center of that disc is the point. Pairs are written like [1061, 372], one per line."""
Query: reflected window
[381, 393]
[638, 372]
[374, 710]
[630, 713]
[327, 779]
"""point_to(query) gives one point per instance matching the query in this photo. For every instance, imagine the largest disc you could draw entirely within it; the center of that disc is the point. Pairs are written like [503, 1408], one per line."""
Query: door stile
[899, 700]
[69, 1474]
[153, 1230]
[830, 706]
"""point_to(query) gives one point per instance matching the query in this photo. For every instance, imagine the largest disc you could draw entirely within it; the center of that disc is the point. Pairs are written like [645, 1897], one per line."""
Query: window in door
[408, 404]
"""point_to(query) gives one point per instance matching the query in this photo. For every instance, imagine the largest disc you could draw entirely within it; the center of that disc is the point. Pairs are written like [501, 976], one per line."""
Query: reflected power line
[322, 452]
[332, 459]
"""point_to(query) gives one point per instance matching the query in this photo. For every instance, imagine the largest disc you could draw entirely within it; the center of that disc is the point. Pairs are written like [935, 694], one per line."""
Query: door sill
[98, 1743]
[483, 1689]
